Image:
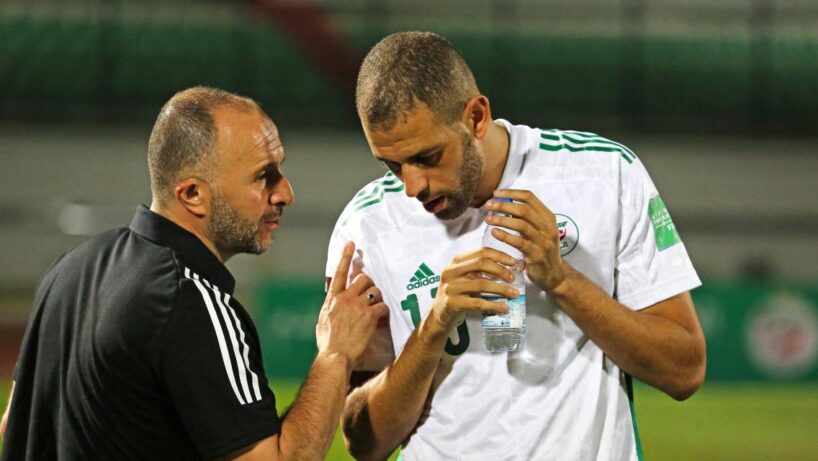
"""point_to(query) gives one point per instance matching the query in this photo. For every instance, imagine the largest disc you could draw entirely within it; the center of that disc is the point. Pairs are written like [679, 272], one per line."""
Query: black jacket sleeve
[209, 358]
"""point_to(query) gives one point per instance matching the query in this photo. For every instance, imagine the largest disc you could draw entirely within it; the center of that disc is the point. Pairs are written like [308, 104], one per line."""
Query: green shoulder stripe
[573, 142]
[371, 194]
[598, 138]
[376, 190]
[376, 199]
[371, 189]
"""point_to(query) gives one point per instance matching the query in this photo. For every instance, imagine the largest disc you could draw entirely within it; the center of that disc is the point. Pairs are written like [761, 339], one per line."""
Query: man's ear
[194, 195]
[477, 116]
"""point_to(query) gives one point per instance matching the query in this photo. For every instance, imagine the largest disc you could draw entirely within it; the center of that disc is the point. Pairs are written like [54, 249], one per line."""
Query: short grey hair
[184, 137]
[408, 68]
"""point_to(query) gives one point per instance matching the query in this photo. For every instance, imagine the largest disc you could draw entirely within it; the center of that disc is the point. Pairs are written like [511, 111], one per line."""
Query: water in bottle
[505, 332]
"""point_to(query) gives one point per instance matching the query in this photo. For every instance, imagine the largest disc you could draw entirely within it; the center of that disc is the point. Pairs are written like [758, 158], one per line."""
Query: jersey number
[411, 304]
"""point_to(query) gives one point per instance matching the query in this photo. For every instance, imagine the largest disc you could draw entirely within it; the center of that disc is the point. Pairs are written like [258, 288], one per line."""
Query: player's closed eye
[428, 159]
[394, 167]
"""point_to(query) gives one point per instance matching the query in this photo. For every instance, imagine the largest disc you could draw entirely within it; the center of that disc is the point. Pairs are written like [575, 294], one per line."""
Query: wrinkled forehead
[269, 139]
[248, 137]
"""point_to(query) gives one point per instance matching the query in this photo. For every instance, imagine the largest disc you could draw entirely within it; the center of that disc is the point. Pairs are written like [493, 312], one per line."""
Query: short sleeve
[380, 351]
[210, 361]
[652, 263]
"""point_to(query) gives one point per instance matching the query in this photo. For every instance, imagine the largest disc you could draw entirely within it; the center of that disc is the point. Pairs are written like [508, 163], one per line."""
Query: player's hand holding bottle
[464, 280]
[538, 238]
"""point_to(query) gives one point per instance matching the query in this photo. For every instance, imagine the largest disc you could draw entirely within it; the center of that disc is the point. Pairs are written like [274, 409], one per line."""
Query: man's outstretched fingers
[339, 281]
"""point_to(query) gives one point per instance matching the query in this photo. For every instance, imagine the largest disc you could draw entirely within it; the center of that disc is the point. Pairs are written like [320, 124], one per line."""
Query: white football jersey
[560, 398]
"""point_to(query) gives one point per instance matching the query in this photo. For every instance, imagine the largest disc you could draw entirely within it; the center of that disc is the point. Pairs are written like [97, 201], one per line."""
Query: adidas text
[422, 283]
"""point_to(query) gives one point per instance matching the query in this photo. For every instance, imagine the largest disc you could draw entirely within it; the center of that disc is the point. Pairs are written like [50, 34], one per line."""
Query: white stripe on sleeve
[246, 348]
[228, 322]
[211, 310]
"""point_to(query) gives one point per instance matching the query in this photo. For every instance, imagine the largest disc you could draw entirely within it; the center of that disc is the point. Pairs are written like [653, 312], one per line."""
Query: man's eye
[394, 167]
[267, 175]
[429, 160]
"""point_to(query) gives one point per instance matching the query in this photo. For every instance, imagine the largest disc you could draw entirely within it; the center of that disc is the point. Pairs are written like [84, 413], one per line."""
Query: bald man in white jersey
[607, 276]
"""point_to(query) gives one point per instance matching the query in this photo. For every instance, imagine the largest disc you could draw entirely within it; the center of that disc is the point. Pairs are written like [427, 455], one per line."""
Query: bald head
[408, 68]
[184, 136]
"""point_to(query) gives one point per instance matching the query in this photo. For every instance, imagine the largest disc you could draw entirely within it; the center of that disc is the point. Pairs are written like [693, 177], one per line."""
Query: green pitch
[730, 421]
[722, 421]
[5, 387]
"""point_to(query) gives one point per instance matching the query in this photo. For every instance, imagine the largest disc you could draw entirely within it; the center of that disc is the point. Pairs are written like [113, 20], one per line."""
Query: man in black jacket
[136, 348]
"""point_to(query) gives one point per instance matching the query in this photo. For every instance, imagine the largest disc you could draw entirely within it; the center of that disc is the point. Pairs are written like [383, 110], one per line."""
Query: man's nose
[413, 180]
[282, 193]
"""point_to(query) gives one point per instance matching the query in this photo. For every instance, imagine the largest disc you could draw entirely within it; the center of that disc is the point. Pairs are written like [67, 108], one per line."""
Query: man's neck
[190, 223]
[495, 147]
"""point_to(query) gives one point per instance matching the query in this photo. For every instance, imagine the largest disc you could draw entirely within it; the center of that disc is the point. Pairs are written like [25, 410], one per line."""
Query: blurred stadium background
[718, 97]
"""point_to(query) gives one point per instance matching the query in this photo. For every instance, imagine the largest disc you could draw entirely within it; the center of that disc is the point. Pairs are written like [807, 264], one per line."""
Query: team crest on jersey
[422, 277]
[569, 234]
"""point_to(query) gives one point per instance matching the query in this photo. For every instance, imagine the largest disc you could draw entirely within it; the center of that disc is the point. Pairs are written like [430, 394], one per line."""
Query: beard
[233, 232]
[471, 171]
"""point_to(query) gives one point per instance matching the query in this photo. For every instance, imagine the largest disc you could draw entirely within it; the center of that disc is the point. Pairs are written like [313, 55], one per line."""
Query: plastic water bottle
[505, 332]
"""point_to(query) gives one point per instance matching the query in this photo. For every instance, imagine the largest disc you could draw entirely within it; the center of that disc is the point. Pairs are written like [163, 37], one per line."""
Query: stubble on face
[471, 171]
[233, 232]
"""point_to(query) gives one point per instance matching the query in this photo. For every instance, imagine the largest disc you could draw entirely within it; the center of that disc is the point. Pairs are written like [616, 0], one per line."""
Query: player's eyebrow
[417, 156]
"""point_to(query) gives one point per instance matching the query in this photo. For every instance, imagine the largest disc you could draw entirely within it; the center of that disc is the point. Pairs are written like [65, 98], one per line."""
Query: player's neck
[192, 224]
[495, 153]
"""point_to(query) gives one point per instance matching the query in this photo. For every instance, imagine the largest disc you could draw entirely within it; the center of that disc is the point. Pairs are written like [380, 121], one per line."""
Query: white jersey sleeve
[651, 262]
[380, 351]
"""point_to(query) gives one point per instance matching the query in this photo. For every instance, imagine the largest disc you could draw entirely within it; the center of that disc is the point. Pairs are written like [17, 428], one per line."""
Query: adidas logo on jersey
[423, 277]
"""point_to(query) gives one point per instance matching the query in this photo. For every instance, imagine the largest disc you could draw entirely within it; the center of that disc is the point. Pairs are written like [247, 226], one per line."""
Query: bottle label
[515, 317]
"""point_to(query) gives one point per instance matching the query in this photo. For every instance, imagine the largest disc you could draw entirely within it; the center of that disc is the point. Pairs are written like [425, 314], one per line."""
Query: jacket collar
[195, 254]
